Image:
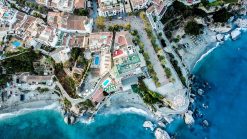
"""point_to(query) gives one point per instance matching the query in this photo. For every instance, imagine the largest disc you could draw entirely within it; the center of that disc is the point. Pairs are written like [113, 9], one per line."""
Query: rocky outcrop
[235, 34]
[205, 123]
[148, 124]
[161, 134]
[188, 118]
[242, 23]
[220, 37]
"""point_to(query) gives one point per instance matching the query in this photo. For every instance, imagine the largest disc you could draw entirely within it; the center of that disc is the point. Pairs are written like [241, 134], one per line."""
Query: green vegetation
[176, 14]
[157, 49]
[42, 90]
[19, 63]
[47, 48]
[148, 96]
[81, 12]
[67, 82]
[151, 71]
[38, 15]
[177, 69]
[221, 16]
[76, 52]
[22, 62]
[100, 22]
[230, 1]
[67, 103]
[193, 28]
[32, 5]
[85, 105]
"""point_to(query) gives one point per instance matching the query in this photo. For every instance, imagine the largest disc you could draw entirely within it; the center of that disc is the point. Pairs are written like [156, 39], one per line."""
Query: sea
[222, 74]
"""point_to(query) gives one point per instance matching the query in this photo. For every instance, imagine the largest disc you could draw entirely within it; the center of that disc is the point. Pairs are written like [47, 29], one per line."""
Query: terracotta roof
[100, 39]
[117, 53]
[67, 21]
[79, 4]
[123, 38]
[137, 2]
[98, 96]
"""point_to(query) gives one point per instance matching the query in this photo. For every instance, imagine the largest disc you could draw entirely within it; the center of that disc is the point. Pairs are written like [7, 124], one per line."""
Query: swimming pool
[106, 82]
[6, 14]
[96, 60]
[16, 44]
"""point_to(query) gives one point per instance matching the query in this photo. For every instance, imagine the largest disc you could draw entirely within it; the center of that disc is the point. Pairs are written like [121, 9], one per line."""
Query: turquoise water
[225, 69]
[16, 43]
[96, 60]
[106, 82]
[49, 124]
[6, 14]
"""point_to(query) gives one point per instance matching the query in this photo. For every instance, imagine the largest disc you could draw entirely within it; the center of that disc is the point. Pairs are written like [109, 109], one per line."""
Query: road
[73, 101]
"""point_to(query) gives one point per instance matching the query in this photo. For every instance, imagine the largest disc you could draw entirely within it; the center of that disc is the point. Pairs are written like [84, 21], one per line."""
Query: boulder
[205, 123]
[188, 118]
[200, 92]
[66, 119]
[72, 119]
[161, 134]
[148, 124]
[235, 34]
[242, 23]
[220, 37]
[161, 124]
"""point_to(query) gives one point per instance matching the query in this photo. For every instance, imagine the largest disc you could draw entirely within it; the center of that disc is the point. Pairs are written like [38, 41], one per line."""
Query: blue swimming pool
[6, 14]
[106, 82]
[96, 60]
[16, 43]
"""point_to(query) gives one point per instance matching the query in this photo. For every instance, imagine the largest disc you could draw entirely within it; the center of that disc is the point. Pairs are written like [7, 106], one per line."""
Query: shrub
[193, 28]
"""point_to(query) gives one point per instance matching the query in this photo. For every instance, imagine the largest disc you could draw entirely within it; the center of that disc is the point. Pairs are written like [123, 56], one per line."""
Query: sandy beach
[30, 105]
[125, 102]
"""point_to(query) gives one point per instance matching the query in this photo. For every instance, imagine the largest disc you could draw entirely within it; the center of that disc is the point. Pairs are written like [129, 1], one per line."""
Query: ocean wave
[227, 37]
[207, 53]
[53, 106]
[244, 29]
[132, 110]
[86, 121]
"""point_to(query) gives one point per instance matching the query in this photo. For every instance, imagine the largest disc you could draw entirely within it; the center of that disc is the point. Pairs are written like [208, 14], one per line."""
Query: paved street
[136, 23]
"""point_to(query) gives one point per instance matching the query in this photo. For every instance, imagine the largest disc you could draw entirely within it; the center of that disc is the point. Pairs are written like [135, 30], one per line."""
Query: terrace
[128, 63]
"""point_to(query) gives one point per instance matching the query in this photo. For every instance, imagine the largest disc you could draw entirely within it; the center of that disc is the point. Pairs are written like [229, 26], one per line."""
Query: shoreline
[215, 45]
[29, 107]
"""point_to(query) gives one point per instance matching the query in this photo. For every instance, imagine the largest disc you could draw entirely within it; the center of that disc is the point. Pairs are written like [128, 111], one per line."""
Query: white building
[110, 7]
[61, 5]
[70, 23]
[139, 4]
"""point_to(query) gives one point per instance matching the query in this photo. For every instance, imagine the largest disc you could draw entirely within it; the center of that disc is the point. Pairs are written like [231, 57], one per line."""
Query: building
[100, 41]
[61, 54]
[61, 5]
[110, 7]
[48, 36]
[127, 60]
[139, 4]
[78, 4]
[26, 78]
[70, 23]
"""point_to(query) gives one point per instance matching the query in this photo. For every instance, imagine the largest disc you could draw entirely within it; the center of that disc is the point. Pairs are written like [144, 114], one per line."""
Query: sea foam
[53, 106]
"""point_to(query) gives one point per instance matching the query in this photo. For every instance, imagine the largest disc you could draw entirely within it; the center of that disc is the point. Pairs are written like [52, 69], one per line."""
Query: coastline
[28, 107]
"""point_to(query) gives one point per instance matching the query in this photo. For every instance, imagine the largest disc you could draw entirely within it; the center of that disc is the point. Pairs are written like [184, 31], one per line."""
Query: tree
[221, 16]
[100, 22]
[193, 28]
[128, 26]
[81, 12]
[142, 15]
